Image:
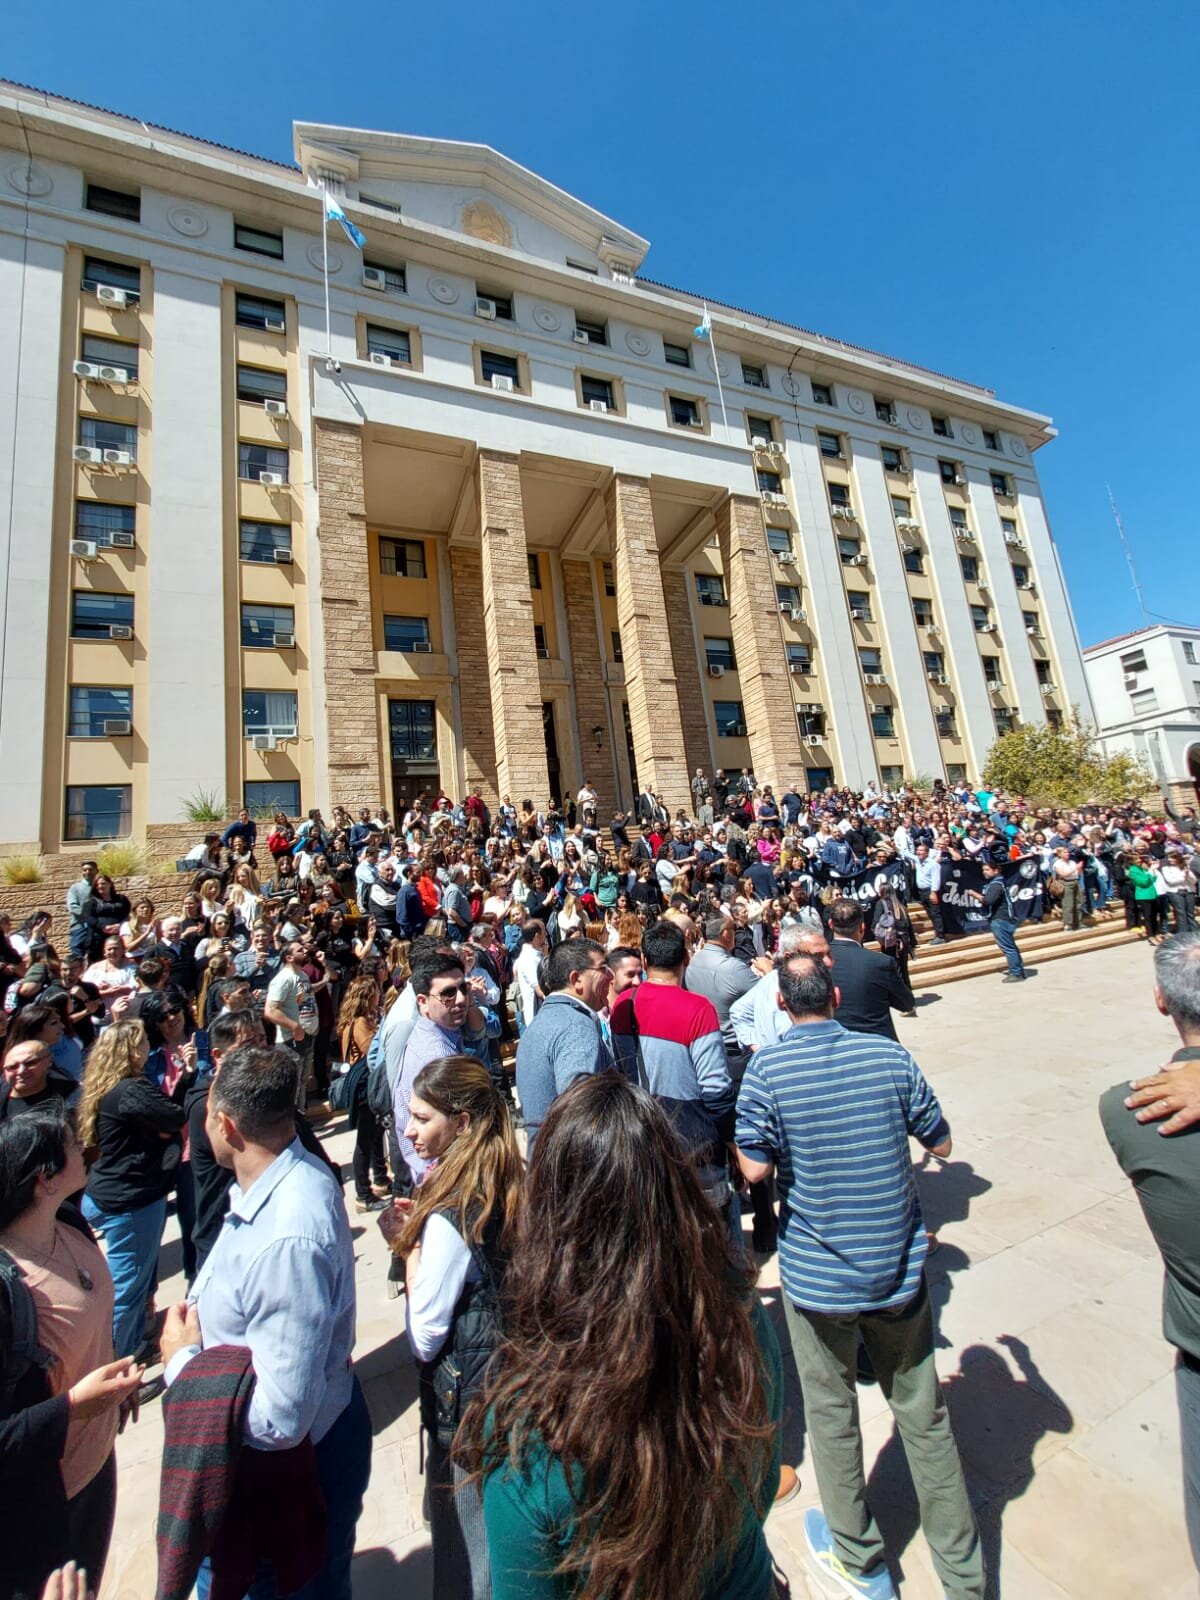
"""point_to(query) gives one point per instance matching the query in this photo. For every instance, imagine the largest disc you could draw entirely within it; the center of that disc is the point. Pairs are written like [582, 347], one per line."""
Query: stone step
[982, 964]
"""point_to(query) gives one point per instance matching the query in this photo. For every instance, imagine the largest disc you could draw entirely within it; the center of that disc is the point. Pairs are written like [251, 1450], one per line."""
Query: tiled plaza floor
[1048, 1294]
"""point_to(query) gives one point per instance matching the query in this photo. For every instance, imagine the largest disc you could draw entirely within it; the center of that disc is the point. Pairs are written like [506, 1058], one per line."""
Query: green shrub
[21, 869]
[205, 805]
[123, 858]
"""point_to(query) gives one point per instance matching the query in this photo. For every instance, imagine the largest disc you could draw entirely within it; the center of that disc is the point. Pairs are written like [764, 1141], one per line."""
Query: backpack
[379, 1088]
[886, 931]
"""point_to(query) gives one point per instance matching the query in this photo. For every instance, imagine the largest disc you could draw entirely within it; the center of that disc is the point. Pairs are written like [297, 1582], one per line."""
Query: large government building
[477, 513]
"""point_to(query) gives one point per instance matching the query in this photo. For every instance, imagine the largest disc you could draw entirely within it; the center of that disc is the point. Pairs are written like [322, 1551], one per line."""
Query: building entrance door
[413, 736]
[553, 764]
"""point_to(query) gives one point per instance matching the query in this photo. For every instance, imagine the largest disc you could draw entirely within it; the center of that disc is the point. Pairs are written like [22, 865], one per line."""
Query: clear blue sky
[1005, 192]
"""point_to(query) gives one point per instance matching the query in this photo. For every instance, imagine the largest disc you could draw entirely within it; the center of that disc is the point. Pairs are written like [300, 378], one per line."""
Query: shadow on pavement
[379, 1575]
[947, 1189]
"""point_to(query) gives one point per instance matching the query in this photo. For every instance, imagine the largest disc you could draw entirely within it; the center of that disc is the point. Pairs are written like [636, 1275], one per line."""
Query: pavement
[1047, 1289]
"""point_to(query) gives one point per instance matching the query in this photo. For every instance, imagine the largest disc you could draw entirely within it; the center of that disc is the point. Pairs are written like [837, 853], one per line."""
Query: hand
[297, 1035]
[180, 1328]
[762, 965]
[1173, 1093]
[188, 1055]
[106, 1387]
[68, 1583]
[392, 1221]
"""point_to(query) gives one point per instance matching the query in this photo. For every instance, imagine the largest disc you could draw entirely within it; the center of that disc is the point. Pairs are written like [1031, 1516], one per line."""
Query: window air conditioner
[1033, 633]
[275, 408]
[87, 454]
[85, 370]
[773, 448]
[932, 629]
[110, 296]
[84, 549]
[485, 308]
[909, 549]
[772, 497]
[424, 647]
[909, 524]
[715, 670]
[1047, 688]
[797, 669]
[784, 608]
[875, 677]
[273, 324]
[118, 458]
[857, 561]
[695, 422]
[580, 337]
[119, 630]
[959, 481]
[859, 616]
[844, 511]
[121, 541]
[378, 358]
[597, 405]
[797, 613]
[502, 383]
[284, 640]
[964, 534]
[373, 278]
[281, 555]
[118, 727]
[813, 738]
[272, 480]
[1131, 681]
[939, 677]
[118, 375]
[987, 627]
[264, 741]
[785, 558]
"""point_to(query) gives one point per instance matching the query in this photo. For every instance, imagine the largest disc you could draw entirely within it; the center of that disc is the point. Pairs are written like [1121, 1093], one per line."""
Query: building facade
[478, 511]
[1145, 688]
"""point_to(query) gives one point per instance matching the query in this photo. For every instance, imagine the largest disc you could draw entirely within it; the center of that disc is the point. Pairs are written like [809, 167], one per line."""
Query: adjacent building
[1145, 688]
[297, 524]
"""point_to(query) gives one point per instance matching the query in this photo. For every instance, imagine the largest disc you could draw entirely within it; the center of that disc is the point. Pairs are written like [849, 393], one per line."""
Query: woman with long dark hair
[628, 1431]
[357, 1021]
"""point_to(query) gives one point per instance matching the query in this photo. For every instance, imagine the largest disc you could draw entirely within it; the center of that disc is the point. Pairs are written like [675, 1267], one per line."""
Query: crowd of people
[572, 1057]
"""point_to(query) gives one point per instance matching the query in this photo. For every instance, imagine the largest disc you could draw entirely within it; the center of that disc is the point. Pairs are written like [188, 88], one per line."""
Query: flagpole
[716, 368]
[325, 269]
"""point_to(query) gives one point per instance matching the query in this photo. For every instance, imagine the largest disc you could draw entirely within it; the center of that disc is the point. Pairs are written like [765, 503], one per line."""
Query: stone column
[684, 648]
[508, 628]
[356, 771]
[474, 677]
[587, 679]
[650, 686]
[771, 726]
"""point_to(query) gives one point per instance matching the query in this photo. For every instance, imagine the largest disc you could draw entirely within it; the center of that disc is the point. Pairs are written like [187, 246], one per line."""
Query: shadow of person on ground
[390, 1381]
[947, 1189]
[998, 1418]
[940, 1268]
[379, 1575]
[794, 1431]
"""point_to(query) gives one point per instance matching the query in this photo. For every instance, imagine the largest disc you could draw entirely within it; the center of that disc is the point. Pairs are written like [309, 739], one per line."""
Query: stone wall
[688, 668]
[474, 673]
[587, 671]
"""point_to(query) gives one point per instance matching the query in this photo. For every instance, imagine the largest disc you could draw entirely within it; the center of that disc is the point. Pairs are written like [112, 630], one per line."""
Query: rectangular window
[991, 439]
[1008, 527]
[970, 568]
[958, 518]
[254, 459]
[262, 625]
[914, 561]
[94, 615]
[901, 506]
[1054, 716]
[101, 274]
[677, 355]
[272, 794]
[893, 459]
[891, 777]
[934, 660]
[922, 611]
[779, 540]
[710, 589]
[495, 364]
[822, 394]
[948, 471]
[112, 202]
[760, 429]
[593, 332]
[98, 811]
[991, 671]
[947, 726]
[99, 434]
[614, 640]
[1042, 668]
[540, 648]
[394, 278]
[1030, 619]
[1004, 721]
[596, 389]
[730, 719]
[535, 570]
[860, 604]
[609, 577]
[408, 635]
[942, 428]
[787, 594]
[394, 343]
[259, 241]
[258, 541]
[799, 657]
[92, 707]
[1020, 574]
[110, 353]
[584, 266]
[259, 383]
[883, 722]
[1143, 701]
[268, 711]
[402, 558]
[502, 303]
[849, 549]
[1134, 661]
[1189, 652]
[753, 376]
[831, 445]
[885, 411]
[769, 482]
[413, 730]
[839, 494]
[252, 311]
[980, 618]
[870, 659]
[812, 723]
[684, 413]
[1000, 484]
[99, 522]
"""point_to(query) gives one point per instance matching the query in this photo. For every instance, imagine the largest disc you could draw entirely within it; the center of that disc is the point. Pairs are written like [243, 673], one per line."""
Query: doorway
[412, 735]
[553, 765]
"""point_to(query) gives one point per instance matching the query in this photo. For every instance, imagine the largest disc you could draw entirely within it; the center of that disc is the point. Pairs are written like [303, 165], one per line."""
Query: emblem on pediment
[481, 220]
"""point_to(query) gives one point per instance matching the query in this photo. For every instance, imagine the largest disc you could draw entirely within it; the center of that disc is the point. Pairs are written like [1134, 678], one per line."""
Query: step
[1027, 934]
[1071, 945]
[959, 954]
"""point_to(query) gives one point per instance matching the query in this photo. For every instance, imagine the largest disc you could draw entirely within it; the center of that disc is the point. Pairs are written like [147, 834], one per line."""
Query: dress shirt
[757, 1018]
[928, 874]
[427, 1042]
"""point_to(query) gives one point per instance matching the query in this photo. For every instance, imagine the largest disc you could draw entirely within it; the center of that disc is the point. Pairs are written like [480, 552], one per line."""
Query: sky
[1008, 193]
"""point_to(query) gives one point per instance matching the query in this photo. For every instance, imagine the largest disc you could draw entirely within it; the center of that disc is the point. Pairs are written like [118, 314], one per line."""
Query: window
[96, 521]
[392, 207]
[91, 708]
[942, 428]
[259, 241]
[1000, 484]
[101, 435]
[94, 615]
[258, 541]
[1042, 668]
[958, 518]
[1004, 720]
[947, 725]
[1008, 527]
[268, 711]
[710, 589]
[991, 439]
[112, 202]
[730, 719]
[1020, 575]
[402, 558]
[595, 332]
[495, 364]
[502, 302]
[860, 604]
[394, 343]
[413, 730]
[1143, 701]
[885, 411]
[254, 459]
[98, 811]
[811, 722]
[893, 459]
[408, 635]
[831, 446]
[787, 594]
[922, 611]
[1134, 661]
[535, 571]
[849, 549]
[914, 562]
[980, 618]
[770, 483]
[839, 494]
[1189, 652]
[934, 660]
[870, 658]
[259, 384]
[883, 722]
[609, 577]
[618, 654]
[754, 377]
[1030, 619]
[251, 311]
[684, 413]
[901, 506]
[1054, 716]
[597, 389]
[761, 430]
[822, 394]
[799, 657]
[949, 471]
[891, 777]
[110, 353]
[991, 671]
[677, 355]
[970, 568]
[261, 626]
[394, 278]
[779, 540]
[540, 648]
[98, 273]
[272, 794]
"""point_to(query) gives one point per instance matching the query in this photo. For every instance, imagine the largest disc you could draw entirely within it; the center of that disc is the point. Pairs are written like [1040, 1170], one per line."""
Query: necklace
[82, 1275]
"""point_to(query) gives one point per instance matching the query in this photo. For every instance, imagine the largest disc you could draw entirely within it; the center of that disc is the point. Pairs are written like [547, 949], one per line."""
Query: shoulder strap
[21, 1349]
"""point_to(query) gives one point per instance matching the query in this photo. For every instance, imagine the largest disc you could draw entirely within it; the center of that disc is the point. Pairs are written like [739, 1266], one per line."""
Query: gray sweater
[563, 1042]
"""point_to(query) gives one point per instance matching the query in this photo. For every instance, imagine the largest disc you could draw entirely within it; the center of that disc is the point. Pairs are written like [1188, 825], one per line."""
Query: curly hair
[116, 1055]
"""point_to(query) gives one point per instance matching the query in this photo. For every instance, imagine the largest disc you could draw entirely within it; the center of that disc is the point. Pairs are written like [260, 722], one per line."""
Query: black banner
[867, 884]
[961, 897]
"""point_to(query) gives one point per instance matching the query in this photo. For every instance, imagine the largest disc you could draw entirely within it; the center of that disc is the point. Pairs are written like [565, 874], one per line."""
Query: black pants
[369, 1160]
[1150, 917]
[90, 1522]
[935, 912]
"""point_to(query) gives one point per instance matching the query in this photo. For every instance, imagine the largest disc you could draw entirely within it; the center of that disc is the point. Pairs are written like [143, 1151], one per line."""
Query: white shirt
[444, 1268]
[525, 969]
[757, 1017]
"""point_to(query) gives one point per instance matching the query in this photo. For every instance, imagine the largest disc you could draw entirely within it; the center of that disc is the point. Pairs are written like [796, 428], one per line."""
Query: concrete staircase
[931, 966]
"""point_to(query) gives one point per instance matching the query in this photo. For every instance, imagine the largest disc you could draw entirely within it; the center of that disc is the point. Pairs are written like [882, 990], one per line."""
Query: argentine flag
[703, 329]
[334, 213]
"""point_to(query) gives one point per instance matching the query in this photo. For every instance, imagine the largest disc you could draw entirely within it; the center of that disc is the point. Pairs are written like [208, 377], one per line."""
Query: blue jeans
[1187, 1392]
[1005, 936]
[131, 1241]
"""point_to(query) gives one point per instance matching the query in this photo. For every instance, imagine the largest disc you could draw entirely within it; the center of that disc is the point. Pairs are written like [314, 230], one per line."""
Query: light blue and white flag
[703, 329]
[334, 212]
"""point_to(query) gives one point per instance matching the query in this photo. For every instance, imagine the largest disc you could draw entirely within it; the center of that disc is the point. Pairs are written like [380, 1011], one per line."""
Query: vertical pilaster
[587, 679]
[676, 587]
[508, 627]
[650, 687]
[474, 675]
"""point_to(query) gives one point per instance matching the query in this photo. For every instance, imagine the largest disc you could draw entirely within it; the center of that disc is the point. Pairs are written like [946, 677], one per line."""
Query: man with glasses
[31, 1078]
[565, 1040]
[443, 998]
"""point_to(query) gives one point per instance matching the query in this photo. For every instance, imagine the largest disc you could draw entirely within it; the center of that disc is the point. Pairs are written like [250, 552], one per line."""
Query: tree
[1062, 766]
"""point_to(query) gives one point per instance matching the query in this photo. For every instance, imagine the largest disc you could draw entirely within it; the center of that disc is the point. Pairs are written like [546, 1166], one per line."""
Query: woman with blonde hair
[137, 1132]
[356, 1025]
[140, 933]
[210, 898]
[453, 1237]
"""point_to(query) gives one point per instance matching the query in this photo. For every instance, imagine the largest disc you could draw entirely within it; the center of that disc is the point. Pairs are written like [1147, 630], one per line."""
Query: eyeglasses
[176, 1013]
[449, 993]
[27, 1061]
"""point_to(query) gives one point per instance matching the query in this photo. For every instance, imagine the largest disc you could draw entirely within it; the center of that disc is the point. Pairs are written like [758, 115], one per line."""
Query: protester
[1000, 922]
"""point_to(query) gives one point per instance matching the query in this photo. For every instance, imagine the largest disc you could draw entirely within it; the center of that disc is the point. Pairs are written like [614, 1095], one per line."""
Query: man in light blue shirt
[756, 1017]
[280, 1281]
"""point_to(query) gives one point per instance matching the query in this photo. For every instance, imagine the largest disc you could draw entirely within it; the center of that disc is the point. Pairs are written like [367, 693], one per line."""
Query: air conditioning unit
[85, 370]
[118, 630]
[875, 677]
[502, 383]
[784, 608]
[272, 480]
[1014, 541]
[909, 549]
[264, 741]
[1131, 681]
[986, 627]
[995, 686]
[773, 497]
[284, 640]
[785, 558]
[378, 358]
[715, 670]
[121, 541]
[373, 278]
[580, 337]
[1047, 689]
[984, 586]
[118, 458]
[844, 511]
[964, 534]
[797, 669]
[797, 613]
[110, 296]
[857, 561]
[84, 549]
[119, 375]
[424, 647]
[118, 727]
[813, 738]
[275, 408]
[87, 455]
[1033, 633]
[485, 308]
[859, 616]
[959, 481]
[773, 448]
[932, 629]
[282, 555]
[598, 405]
[938, 677]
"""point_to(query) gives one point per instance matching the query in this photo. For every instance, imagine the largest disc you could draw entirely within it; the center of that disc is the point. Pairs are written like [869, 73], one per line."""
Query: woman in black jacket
[59, 1419]
[104, 911]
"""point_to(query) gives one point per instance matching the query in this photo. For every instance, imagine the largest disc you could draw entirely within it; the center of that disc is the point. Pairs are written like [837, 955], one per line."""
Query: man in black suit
[871, 983]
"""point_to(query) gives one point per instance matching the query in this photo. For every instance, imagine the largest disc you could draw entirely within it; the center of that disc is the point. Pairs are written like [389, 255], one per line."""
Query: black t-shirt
[11, 1106]
[137, 1165]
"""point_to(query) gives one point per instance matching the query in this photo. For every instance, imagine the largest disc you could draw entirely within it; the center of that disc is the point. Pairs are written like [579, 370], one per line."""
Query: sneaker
[938, 940]
[1013, 977]
[876, 1586]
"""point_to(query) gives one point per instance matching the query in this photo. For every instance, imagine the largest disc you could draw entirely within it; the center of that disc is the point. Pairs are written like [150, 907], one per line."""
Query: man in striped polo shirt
[830, 1113]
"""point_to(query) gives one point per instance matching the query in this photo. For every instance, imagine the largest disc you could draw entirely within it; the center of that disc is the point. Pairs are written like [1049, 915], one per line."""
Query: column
[587, 680]
[474, 677]
[775, 751]
[1026, 693]
[508, 626]
[651, 691]
[356, 774]
[685, 654]
[1053, 602]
